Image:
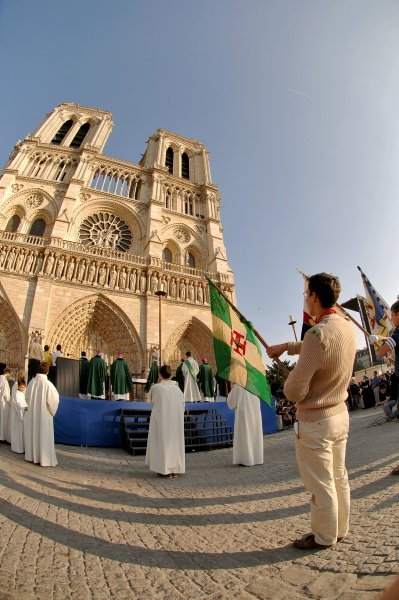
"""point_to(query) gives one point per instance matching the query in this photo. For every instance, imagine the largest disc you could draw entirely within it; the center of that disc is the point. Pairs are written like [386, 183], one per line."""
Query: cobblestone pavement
[100, 525]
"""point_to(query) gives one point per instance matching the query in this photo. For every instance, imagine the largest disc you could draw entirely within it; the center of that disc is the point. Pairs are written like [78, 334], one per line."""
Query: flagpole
[343, 310]
[280, 364]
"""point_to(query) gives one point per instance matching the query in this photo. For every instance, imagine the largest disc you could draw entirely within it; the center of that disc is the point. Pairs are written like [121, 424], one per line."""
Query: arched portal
[191, 335]
[13, 340]
[97, 322]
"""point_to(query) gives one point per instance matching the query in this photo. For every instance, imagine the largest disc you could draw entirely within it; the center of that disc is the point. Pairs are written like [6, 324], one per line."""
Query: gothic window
[188, 205]
[190, 260]
[169, 160]
[80, 136]
[61, 172]
[63, 130]
[185, 166]
[13, 223]
[37, 228]
[105, 230]
[166, 255]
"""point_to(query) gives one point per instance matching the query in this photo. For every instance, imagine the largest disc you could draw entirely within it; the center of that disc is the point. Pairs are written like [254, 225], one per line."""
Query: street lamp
[160, 293]
[292, 323]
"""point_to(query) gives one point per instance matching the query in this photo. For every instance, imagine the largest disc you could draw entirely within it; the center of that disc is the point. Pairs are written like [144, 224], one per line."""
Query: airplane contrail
[300, 93]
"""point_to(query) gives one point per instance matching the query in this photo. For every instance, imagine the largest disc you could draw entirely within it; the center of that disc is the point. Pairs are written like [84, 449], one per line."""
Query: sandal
[307, 542]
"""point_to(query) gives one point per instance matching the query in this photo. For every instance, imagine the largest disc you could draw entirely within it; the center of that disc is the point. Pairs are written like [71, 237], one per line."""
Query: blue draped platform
[96, 422]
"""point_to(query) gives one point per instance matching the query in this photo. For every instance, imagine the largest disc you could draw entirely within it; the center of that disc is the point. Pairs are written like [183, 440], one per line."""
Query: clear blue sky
[296, 101]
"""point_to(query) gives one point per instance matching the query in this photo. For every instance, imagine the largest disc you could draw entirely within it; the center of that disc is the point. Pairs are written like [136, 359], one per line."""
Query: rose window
[106, 230]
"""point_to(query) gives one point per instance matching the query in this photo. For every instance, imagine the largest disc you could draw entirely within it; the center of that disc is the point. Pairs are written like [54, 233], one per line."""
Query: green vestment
[97, 374]
[205, 381]
[121, 378]
[152, 376]
[180, 377]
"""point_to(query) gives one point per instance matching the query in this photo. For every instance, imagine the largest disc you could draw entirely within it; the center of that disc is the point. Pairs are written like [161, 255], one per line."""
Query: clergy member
[180, 376]
[153, 376]
[190, 372]
[121, 379]
[97, 375]
[42, 399]
[5, 406]
[165, 446]
[18, 407]
[206, 382]
[84, 366]
[248, 433]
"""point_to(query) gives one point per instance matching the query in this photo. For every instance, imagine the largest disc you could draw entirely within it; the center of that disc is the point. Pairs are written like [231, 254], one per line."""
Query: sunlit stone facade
[86, 241]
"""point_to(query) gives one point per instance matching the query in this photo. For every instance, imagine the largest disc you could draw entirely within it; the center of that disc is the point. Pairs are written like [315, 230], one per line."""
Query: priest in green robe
[121, 379]
[206, 382]
[84, 366]
[97, 376]
[153, 376]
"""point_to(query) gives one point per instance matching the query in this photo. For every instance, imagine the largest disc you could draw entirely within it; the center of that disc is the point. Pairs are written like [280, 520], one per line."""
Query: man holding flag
[318, 385]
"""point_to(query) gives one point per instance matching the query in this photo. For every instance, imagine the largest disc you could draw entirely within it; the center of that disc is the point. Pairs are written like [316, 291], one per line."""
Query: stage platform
[97, 422]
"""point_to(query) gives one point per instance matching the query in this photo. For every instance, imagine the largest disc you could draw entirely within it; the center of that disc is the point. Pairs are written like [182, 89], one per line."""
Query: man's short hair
[46, 348]
[165, 371]
[58, 346]
[327, 287]
[395, 307]
[6, 370]
[44, 368]
[188, 353]
[83, 353]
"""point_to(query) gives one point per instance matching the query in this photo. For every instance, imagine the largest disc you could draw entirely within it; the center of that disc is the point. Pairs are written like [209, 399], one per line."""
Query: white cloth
[165, 446]
[55, 355]
[191, 389]
[17, 411]
[4, 409]
[42, 399]
[248, 433]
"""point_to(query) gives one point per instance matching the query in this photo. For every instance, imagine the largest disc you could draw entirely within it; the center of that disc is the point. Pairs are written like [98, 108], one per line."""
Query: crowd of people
[371, 392]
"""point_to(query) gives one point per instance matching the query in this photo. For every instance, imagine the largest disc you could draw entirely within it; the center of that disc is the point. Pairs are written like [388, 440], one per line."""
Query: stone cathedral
[87, 240]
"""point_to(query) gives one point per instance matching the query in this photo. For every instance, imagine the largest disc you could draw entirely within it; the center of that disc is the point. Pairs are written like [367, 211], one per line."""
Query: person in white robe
[18, 407]
[190, 372]
[165, 446]
[248, 432]
[42, 399]
[5, 406]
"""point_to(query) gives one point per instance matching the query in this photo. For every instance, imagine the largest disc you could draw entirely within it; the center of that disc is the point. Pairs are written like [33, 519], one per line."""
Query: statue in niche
[81, 270]
[49, 264]
[173, 288]
[102, 273]
[143, 282]
[200, 294]
[2, 255]
[154, 283]
[29, 262]
[122, 279]
[60, 266]
[20, 259]
[91, 272]
[182, 288]
[191, 295]
[39, 262]
[133, 280]
[70, 269]
[112, 276]
[10, 259]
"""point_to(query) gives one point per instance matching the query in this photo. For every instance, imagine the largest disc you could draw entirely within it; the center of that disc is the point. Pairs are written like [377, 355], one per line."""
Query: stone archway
[97, 322]
[191, 335]
[13, 340]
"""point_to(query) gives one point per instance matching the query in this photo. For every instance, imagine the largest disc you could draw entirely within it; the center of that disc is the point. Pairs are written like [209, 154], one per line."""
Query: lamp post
[160, 293]
[292, 323]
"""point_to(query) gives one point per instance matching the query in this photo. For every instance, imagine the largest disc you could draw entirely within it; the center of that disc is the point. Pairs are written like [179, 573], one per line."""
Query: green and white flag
[237, 350]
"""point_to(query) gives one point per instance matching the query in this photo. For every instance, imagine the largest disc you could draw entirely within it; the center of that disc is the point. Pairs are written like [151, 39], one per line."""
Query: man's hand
[373, 339]
[277, 350]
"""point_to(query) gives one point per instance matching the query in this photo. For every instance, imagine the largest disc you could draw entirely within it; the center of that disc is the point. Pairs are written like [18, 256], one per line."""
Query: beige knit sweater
[318, 384]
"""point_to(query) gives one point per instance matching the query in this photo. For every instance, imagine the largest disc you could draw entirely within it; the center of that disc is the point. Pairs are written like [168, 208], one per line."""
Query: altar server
[97, 375]
[248, 433]
[206, 382]
[42, 399]
[121, 379]
[5, 406]
[190, 372]
[18, 407]
[165, 446]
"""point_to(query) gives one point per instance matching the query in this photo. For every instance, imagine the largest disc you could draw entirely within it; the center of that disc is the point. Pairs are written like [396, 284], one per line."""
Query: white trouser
[320, 452]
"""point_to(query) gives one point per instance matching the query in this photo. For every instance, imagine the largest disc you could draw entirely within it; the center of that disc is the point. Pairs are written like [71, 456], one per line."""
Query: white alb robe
[17, 411]
[42, 399]
[4, 409]
[248, 433]
[165, 446]
[191, 389]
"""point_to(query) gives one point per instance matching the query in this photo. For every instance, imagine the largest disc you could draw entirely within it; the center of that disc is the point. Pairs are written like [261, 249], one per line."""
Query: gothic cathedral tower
[87, 240]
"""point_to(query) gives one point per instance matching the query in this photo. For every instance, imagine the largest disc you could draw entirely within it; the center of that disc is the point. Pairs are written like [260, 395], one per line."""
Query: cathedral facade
[93, 247]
